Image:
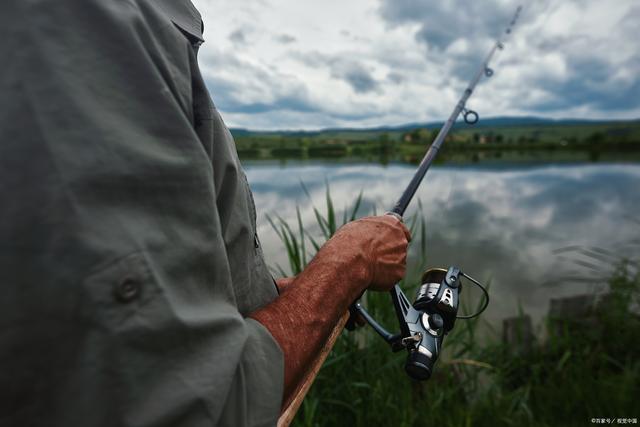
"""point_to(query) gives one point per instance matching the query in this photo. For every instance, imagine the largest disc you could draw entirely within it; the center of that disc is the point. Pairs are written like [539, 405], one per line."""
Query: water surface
[536, 231]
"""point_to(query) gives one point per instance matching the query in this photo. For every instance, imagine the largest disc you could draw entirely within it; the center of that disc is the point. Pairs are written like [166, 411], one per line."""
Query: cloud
[246, 88]
[596, 88]
[356, 75]
[257, 97]
[561, 62]
[285, 38]
[395, 77]
[287, 64]
[352, 72]
[238, 37]
[442, 23]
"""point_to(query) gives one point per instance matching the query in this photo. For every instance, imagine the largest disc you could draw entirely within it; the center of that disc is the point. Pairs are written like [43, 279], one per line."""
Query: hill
[505, 121]
[496, 133]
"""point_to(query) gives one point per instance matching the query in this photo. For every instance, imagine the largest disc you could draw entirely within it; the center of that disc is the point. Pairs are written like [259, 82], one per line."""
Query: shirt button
[127, 290]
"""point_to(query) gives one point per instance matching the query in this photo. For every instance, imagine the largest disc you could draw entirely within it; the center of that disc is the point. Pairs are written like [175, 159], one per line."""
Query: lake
[535, 230]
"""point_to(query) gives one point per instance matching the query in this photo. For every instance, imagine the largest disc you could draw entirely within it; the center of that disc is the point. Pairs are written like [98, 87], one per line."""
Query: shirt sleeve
[118, 304]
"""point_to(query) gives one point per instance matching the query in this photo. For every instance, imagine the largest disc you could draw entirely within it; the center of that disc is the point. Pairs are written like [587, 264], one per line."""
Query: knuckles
[386, 240]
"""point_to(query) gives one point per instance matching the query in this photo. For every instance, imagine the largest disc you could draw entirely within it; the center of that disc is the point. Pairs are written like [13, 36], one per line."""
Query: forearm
[304, 315]
[367, 253]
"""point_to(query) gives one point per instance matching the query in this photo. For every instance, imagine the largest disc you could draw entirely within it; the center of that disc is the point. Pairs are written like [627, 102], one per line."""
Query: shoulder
[109, 15]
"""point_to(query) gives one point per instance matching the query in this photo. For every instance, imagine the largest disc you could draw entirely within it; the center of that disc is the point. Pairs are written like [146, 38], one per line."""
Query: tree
[595, 138]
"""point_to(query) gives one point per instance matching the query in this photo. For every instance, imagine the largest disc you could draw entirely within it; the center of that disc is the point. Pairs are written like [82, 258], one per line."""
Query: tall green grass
[576, 374]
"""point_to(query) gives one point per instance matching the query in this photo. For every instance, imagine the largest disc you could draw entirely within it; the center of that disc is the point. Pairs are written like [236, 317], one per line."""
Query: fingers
[389, 240]
[379, 244]
[406, 231]
[389, 272]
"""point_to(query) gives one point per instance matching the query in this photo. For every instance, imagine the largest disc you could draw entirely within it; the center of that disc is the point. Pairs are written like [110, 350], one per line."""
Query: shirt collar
[185, 15]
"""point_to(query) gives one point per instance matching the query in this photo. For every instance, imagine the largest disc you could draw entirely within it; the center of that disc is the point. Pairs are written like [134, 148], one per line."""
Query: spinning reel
[424, 324]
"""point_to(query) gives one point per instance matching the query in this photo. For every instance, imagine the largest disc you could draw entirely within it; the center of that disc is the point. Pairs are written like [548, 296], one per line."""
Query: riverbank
[581, 371]
[590, 138]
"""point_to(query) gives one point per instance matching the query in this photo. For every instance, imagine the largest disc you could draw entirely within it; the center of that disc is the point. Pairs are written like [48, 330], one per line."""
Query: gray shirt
[128, 250]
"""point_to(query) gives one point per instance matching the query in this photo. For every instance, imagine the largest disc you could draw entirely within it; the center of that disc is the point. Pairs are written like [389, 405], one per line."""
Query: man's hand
[378, 246]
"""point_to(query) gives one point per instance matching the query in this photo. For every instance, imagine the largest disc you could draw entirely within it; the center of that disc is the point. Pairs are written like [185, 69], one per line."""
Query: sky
[300, 64]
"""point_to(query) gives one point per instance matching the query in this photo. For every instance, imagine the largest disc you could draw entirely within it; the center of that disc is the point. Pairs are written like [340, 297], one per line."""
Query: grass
[582, 370]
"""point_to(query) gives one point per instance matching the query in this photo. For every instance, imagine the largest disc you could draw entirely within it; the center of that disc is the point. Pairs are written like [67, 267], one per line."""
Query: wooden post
[572, 314]
[573, 307]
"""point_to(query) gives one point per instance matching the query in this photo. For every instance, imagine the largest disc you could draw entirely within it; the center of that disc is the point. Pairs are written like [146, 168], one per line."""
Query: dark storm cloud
[246, 88]
[356, 76]
[354, 73]
[591, 79]
[592, 63]
[229, 97]
[568, 58]
[276, 92]
[395, 77]
[442, 22]
[591, 83]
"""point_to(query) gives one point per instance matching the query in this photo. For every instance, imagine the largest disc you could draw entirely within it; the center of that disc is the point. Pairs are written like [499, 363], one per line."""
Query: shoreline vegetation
[586, 140]
[570, 371]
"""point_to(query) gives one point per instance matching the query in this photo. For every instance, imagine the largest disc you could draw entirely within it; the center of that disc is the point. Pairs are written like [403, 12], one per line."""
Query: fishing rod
[424, 323]
[469, 116]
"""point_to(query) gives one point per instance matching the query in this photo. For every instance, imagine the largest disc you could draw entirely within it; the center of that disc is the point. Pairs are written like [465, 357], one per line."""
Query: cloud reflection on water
[501, 223]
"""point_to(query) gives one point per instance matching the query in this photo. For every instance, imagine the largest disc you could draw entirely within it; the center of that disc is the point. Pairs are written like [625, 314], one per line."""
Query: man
[134, 290]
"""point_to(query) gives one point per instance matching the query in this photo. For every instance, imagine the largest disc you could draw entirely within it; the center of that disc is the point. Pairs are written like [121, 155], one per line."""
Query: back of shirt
[128, 248]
